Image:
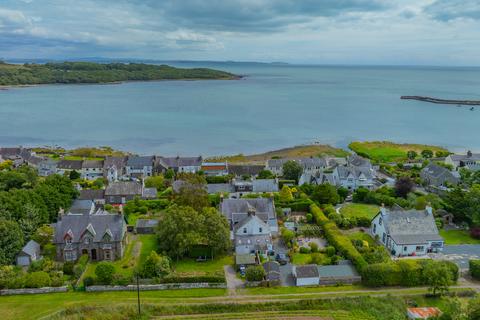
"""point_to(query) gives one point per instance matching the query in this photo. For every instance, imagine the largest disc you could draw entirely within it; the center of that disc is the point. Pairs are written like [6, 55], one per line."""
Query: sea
[272, 106]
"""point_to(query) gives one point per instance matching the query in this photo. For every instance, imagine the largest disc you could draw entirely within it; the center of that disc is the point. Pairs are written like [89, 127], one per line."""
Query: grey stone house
[114, 168]
[99, 234]
[178, 164]
[122, 191]
[436, 175]
[140, 166]
[66, 166]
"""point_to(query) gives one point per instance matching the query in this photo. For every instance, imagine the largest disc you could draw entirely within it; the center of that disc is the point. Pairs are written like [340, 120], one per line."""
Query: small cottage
[30, 253]
[306, 275]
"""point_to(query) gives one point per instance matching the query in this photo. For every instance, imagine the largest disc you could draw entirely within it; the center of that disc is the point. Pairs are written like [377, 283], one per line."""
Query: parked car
[281, 258]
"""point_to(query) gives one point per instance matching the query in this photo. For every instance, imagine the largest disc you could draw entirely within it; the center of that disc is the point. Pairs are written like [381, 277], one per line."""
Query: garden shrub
[402, 273]
[475, 232]
[68, 267]
[330, 251]
[88, 281]
[313, 247]
[104, 272]
[255, 273]
[337, 239]
[37, 279]
[80, 266]
[304, 250]
[155, 266]
[475, 269]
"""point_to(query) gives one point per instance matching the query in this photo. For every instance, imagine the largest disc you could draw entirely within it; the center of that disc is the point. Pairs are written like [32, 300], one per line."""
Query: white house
[114, 168]
[352, 178]
[407, 232]
[92, 169]
[306, 275]
[179, 164]
[252, 235]
[470, 161]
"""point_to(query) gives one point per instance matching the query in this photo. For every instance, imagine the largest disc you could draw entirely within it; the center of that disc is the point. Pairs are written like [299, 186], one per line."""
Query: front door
[94, 254]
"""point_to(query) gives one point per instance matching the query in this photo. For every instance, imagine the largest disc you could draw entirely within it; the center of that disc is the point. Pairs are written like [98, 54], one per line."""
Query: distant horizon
[277, 63]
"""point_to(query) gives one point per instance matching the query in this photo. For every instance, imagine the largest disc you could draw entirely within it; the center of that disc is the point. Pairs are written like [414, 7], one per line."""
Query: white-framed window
[108, 255]
[260, 229]
[384, 236]
[419, 248]
[68, 240]
[380, 221]
[244, 230]
[374, 228]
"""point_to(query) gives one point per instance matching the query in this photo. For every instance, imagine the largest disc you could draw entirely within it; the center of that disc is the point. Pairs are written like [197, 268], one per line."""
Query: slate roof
[149, 193]
[146, 223]
[96, 164]
[245, 169]
[31, 248]
[80, 206]
[120, 188]
[463, 157]
[305, 162]
[434, 170]
[357, 161]
[307, 271]
[343, 172]
[244, 259]
[249, 218]
[259, 242]
[235, 210]
[411, 226]
[70, 164]
[177, 162]
[118, 162]
[99, 223]
[90, 194]
[140, 161]
[337, 271]
[219, 188]
[265, 185]
[272, 270]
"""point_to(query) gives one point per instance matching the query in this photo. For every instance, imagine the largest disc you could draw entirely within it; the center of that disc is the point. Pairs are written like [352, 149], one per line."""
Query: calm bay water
[274, 106]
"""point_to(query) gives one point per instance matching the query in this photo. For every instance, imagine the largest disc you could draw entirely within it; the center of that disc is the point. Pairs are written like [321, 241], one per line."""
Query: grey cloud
[446, 10]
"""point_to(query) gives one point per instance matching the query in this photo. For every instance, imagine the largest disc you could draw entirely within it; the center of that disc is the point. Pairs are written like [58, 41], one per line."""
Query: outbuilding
[146, 226]
[306, 275]
[30, 253]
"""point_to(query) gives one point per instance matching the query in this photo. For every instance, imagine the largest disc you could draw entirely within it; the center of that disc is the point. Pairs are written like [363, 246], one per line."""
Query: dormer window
[244, 230]
[260, 229]
[68, 240]
[380, 221]
[86, 240]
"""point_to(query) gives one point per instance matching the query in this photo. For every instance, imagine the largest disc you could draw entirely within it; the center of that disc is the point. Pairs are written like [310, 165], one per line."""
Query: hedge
[336, 238]
[193, 279]
[406, 273]
[301, 205]
[475, 269]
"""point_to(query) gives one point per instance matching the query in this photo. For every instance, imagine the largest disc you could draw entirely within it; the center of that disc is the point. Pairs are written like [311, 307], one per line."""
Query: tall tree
[216, 231]
[179, 230]
[438, 277]
[403, 186]
[292, 170]
[193, 192]
[285, 194]
[326, 194]
[11, 241]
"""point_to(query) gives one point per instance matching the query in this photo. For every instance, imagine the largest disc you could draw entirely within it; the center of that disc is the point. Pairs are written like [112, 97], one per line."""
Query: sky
[402, 32]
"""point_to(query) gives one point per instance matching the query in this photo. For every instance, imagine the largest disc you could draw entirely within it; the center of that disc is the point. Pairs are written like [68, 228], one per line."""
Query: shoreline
[20, 86]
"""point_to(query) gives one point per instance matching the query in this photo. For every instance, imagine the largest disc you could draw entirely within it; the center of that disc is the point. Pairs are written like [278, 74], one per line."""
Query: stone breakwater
[442, 101]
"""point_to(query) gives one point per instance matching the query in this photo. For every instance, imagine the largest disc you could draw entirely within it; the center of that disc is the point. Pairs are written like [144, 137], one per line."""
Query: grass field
[149, 244]
[293, 152]
[189, 267]
[360, 210]
[36, 306]
[383, 151]
[458, 237]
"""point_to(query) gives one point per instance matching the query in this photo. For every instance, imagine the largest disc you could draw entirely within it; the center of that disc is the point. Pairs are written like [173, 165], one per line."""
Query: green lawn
[124, 266]
[362, 236]
[458, 237]
[36, 306]
[189, 267]
[149, 244]
[384, 151]
[300, 258]
[360, 210]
